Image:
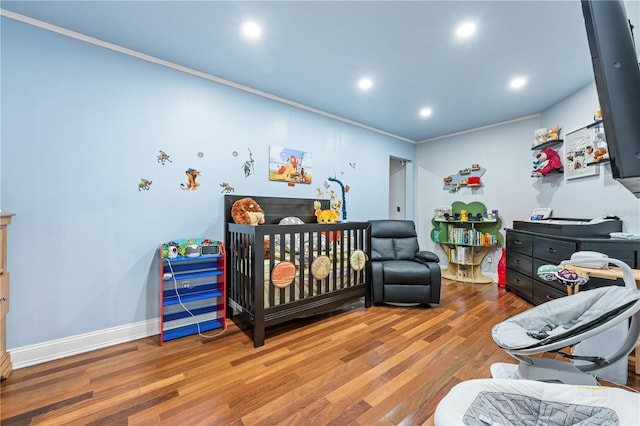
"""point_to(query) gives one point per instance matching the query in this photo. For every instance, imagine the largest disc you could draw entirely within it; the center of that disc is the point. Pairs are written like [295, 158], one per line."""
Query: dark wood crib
[327, 265]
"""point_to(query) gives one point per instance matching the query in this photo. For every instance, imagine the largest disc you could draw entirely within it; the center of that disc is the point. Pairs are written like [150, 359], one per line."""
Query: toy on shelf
[544, 135]
[546, 161]
[469, 176]
[466, 234]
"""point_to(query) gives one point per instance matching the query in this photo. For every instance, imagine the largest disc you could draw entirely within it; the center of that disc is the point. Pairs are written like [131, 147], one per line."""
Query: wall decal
[289, 165]
[162, 157]
[192, 174]
[466, 177]
[248, 165]
[226, 188]
[201, 154]
[144, 184]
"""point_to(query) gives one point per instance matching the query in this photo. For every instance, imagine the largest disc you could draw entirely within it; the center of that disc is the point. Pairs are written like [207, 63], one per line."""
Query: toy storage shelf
[462, 242]
[546, 144]
[192, 294]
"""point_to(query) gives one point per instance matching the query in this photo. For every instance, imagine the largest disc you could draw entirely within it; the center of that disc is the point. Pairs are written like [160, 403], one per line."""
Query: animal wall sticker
[248, 165]
[192, 174]
[226, 188]
[162, 157]
[144, 184]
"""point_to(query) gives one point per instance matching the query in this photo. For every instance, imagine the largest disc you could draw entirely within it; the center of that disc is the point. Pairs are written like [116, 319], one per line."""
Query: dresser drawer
[543, 293]
[519, 262]
[521, 243]
[520, 284]
[626, 251]
[553, 251]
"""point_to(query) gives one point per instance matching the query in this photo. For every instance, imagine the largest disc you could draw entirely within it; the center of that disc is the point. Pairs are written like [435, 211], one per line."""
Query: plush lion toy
[246, 211]
[327, 216]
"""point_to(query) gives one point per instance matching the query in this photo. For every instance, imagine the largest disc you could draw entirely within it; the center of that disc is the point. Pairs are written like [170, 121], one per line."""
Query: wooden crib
[276, 273]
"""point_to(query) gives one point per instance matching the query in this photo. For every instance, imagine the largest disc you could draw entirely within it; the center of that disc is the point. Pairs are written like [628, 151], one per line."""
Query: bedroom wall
[82, 125]
[505, 152]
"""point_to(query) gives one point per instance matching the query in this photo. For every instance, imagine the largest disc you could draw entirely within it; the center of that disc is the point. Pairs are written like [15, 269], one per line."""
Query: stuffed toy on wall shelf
[546, 161]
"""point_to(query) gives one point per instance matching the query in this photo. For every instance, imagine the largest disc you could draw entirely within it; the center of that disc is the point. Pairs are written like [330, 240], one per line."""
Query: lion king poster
[289, 165]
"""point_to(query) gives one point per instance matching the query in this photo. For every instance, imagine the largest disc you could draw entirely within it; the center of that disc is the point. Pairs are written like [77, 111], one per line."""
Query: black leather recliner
[401, 273]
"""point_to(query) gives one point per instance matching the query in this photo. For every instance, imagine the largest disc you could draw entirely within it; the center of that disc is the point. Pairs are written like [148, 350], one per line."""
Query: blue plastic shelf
[172, 299]
[184, 314]
[190, 329]
[187, 276]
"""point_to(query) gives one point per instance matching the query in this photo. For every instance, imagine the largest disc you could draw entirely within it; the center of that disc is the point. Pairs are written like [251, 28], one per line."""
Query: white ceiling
[313, 53]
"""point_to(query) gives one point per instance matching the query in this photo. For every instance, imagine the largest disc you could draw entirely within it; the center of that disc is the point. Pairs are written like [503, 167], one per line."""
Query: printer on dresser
[531, 244]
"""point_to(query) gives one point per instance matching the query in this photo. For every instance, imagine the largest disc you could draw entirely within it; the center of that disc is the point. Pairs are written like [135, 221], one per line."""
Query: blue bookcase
[192, 290]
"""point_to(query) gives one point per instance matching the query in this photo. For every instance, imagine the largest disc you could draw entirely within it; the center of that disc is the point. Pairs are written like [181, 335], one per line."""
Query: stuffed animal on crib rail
[327, 216]
[549, 160]
[246, 211]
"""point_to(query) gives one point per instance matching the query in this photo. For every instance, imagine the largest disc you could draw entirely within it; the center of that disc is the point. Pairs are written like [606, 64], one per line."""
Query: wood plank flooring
[385, 365]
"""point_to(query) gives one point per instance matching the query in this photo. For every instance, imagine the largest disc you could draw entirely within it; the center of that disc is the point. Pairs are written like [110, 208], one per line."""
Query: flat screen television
[617, 75]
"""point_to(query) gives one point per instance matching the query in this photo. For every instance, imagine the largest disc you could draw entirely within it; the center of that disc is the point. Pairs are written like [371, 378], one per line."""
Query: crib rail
[253, 252]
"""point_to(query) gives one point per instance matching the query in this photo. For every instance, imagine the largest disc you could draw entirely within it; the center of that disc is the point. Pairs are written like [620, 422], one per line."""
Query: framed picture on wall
[289, 165]
[578, 150]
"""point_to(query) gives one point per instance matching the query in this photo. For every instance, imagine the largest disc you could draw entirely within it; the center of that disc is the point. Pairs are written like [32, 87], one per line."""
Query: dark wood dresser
[527, 250]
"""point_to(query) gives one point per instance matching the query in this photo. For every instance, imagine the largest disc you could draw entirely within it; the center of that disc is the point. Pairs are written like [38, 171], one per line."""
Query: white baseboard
[60, 348]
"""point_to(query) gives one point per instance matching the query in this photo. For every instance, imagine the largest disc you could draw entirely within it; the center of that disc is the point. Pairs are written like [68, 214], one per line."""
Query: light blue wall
[81, 125]
[505, 151]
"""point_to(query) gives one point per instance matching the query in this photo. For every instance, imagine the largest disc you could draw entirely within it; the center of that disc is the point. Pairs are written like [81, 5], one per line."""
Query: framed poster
[576, 147]
[289, 165]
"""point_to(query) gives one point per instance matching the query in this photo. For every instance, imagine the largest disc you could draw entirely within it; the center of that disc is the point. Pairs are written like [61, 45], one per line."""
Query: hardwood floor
[384, 365]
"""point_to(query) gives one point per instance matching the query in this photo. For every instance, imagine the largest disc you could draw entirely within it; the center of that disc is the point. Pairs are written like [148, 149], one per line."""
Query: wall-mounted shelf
[546, 144]
[552, 172]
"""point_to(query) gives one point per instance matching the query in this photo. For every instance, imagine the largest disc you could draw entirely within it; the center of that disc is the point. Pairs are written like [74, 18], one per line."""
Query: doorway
[397, 188]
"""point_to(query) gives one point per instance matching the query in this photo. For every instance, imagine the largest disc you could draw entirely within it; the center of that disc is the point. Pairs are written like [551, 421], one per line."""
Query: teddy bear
[600, 154]
[246, 211]
[553, 134]
[540, 136]
[549, 161]
[327, 216]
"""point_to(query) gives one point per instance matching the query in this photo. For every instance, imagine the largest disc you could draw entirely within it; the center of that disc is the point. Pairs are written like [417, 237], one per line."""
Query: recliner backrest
[393, 239]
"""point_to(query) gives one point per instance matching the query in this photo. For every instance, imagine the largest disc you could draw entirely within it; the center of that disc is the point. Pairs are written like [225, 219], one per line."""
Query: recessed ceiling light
[425, 112]
[251, 30]
[466, 30]
[365, 83]
[518, 82]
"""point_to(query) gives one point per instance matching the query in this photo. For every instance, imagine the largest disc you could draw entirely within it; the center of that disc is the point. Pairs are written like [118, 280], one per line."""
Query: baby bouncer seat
[602, 325]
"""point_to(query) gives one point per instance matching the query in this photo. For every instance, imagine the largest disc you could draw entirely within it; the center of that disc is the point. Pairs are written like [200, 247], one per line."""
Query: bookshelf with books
[466, 233]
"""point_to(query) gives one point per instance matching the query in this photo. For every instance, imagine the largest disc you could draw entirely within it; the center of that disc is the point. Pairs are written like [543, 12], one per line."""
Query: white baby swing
[603, 326]
[595, 322]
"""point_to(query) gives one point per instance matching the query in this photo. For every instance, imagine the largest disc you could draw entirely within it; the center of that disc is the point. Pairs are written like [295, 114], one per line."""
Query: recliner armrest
[427, 256]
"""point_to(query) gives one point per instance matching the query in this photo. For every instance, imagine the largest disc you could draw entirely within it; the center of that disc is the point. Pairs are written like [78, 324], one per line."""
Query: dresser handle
[3, 299]
[518, 262]
[552, 250]
[517, 242]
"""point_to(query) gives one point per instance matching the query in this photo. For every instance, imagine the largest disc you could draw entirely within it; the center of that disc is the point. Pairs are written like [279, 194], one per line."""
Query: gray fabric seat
[401, 272]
